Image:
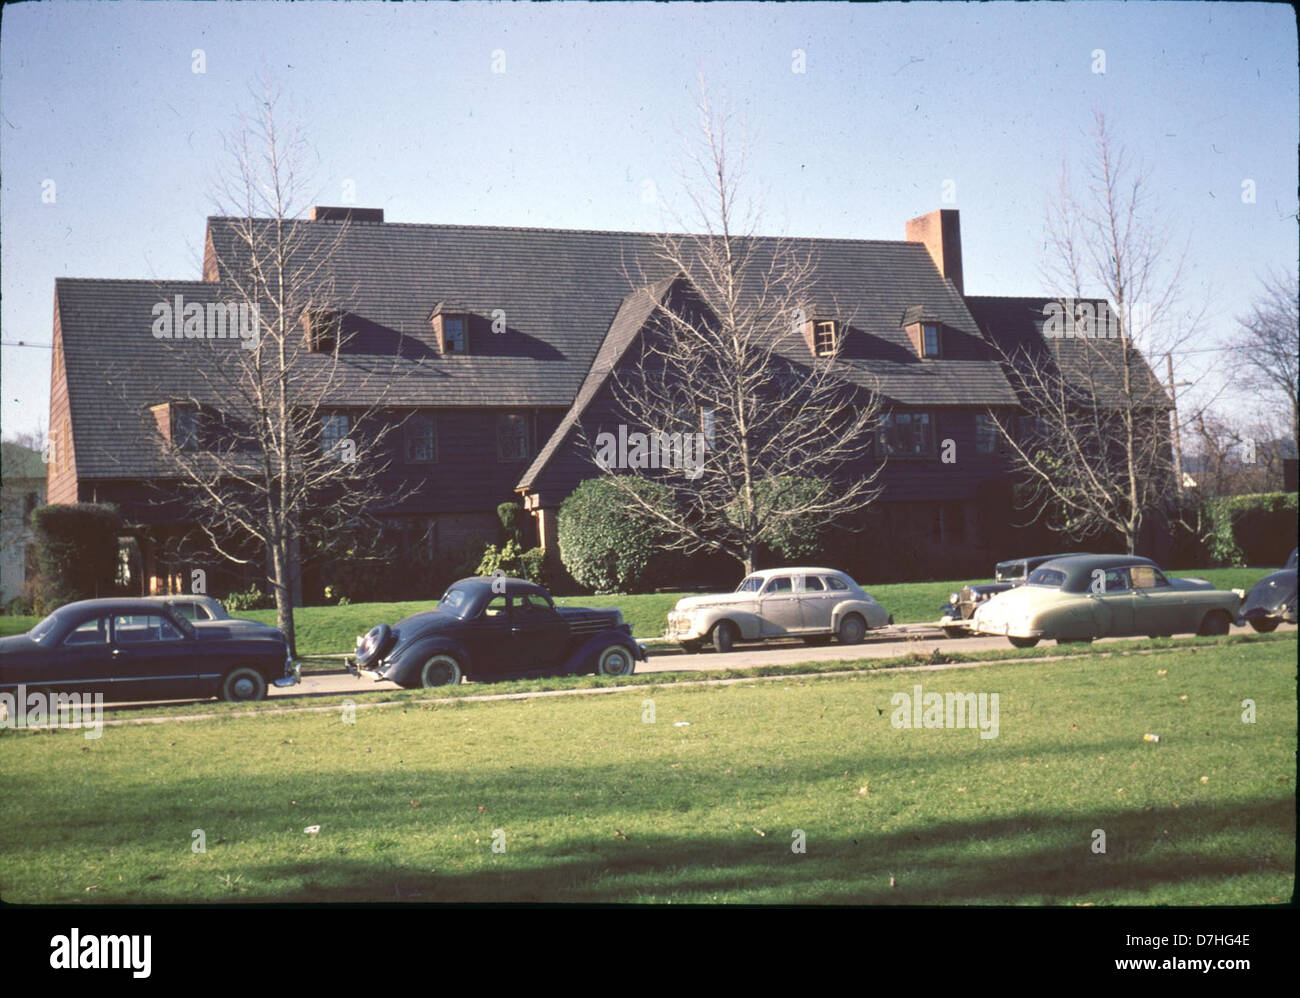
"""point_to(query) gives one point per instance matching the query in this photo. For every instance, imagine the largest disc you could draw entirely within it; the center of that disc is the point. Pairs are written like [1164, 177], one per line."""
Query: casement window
[185, 427]
[453, 334]
[420, 439]
[450, 330]
[334, 429]
[826, 337]
[988, 438]
[929, 340]
[321, 328]
[512, 437]
[906, 434]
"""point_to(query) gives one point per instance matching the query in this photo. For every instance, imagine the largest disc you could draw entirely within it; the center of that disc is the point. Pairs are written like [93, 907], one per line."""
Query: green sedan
[1083, 597]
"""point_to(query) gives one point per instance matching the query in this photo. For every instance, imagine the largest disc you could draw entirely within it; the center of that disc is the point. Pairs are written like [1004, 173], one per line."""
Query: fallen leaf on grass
[761, 832]
[311, 829]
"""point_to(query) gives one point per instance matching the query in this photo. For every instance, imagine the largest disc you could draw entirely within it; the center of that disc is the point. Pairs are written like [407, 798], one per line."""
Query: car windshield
[1291, 562]
[1049, 577]
[1010, 571]
[751, 585]
[454, 601]
[42, 631]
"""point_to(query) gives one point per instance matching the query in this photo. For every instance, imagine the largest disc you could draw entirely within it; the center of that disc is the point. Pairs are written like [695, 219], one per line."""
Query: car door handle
[117, 652]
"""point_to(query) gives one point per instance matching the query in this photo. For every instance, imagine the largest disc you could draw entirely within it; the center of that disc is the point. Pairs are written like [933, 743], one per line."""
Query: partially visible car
[813, 603]
[955, 615]
[201, 609]
[139, 649]
[1083, 597]
[496, 628]
[1271, 600]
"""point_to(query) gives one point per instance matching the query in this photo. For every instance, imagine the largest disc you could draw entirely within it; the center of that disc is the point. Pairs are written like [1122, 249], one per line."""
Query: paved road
[885, 643]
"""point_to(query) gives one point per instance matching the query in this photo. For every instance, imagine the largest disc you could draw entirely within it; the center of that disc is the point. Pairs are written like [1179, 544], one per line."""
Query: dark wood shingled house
[503, 340]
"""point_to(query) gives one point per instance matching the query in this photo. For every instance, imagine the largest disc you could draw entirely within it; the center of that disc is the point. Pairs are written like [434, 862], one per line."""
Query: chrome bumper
[292, 676]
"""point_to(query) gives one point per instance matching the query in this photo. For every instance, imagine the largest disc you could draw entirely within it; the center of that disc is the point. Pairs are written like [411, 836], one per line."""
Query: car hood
[710, 600]
[1019, 601]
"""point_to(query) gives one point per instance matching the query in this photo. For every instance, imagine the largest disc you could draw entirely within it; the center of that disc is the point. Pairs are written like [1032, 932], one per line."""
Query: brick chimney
[940, 232]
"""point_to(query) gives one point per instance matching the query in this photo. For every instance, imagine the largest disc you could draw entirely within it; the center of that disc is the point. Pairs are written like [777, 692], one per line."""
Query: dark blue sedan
[139, 649]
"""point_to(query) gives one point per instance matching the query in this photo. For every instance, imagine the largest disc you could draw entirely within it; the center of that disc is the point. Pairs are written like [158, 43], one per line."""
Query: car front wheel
[1216, 623]
[1263, 624]
[852, 630]
[615, 661]
[723, 636]
[441, 670]
[242, 684]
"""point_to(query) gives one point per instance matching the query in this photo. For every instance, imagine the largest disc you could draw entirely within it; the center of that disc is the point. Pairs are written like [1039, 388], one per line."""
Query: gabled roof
[631, 317]
[559, 293]
[1017, 325]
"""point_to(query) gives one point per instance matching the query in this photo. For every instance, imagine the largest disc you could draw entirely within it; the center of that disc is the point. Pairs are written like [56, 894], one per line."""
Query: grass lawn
[592, 803]
[332, 630]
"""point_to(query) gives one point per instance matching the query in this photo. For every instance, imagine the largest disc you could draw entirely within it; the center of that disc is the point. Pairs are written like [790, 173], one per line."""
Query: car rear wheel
[615, 661]
[441, 670]
[723, 636]
[852, 630]
[1263, 624]
[243, 684]
[1022, 642]
[1216, 623]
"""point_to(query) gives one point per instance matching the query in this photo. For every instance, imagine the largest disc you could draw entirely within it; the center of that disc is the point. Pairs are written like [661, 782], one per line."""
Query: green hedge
[1251, 530]
[608, 547]
[76, 553]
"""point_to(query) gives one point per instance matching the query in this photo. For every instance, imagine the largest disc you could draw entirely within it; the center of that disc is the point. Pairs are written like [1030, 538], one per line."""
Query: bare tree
[765, 439]
[1096, 451]
[263, 454]
[1266, 361]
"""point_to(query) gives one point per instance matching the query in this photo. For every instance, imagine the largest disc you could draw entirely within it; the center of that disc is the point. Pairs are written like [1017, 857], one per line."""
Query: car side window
[1117, 580]
[189, 610]
[1147, 577]
[812, 584]
[779, 585]
[837, 584]
[92, 632]
[496, 607]
[532, 603]
[134, 629]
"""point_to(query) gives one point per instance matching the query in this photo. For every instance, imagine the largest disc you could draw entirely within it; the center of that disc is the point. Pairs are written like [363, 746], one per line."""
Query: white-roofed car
[810, 603]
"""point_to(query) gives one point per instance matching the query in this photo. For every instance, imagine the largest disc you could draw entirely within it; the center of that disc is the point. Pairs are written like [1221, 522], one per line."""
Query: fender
[584, 659]
[749, 624]
[848, 606]
[406, 667]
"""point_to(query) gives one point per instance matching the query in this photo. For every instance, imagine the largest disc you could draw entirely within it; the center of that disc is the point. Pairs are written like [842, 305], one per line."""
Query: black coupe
[497, 628]
[140, 649]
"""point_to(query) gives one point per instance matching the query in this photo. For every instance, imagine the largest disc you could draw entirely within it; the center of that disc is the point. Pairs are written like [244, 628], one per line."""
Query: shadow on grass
[1001, 861]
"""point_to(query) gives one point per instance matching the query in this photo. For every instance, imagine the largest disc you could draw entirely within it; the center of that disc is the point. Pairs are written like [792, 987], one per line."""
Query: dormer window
[321, 326]
[822, 336]
[930, 340]
[925, 332]
[450, 330]
[178, 424]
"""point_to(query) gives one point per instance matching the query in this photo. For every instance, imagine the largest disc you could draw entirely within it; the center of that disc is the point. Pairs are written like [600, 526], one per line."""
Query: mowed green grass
[594, 804]
[332, 630]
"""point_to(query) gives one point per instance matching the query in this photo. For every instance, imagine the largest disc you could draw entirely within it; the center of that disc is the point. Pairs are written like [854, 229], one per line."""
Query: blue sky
[401, 102]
